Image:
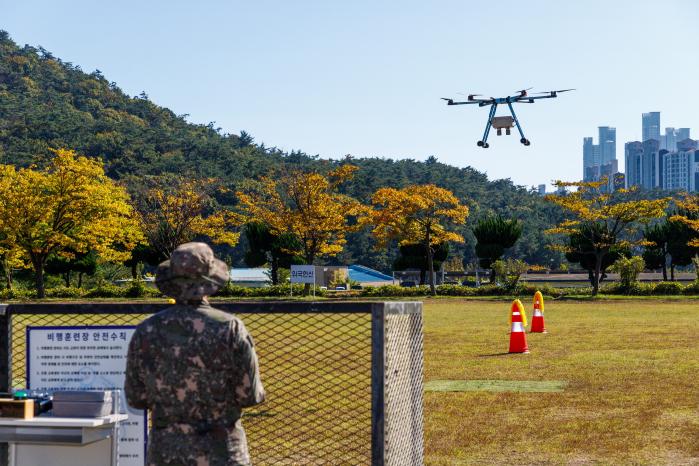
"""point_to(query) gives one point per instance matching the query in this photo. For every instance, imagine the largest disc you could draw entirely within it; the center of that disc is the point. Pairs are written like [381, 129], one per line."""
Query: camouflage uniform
[194, 367]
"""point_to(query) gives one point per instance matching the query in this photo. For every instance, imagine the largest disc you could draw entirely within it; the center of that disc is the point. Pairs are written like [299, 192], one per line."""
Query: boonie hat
[191, 273]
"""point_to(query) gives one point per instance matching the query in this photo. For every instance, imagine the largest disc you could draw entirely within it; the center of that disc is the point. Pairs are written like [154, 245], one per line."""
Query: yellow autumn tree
[176, 210]
[10, 258]
[417, 214]
[597, 221]
[307, 206]
[69, 205]
[688, 213]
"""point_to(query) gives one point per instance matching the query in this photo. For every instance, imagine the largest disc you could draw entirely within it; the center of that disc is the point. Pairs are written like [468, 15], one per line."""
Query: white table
[62, 441]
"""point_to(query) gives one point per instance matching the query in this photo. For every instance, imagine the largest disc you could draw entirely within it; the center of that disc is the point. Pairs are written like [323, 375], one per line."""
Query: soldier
[194, 367]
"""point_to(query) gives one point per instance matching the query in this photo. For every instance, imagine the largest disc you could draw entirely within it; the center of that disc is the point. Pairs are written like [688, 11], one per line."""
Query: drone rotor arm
[452, 102]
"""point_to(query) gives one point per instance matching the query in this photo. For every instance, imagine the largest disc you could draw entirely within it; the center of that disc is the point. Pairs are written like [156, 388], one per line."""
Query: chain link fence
[343, 379]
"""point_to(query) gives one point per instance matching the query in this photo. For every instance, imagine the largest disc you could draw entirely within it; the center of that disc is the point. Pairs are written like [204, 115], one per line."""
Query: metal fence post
[5, 364]
[378, 363]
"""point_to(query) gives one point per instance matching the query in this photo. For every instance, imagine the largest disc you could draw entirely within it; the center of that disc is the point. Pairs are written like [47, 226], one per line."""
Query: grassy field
[629, 372]
[613, 382]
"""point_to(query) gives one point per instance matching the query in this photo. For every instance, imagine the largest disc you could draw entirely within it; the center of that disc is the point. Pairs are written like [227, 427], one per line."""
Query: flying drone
[505, 122]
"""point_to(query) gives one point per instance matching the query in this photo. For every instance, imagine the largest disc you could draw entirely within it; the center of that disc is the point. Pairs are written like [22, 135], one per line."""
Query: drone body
[504, 122]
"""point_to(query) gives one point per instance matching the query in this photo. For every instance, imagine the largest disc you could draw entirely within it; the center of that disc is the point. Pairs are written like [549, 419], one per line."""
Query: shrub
[546, 290]
[65, 292]
[106, 290]
[508, 272]
[456, 290]
[668, 288]
[232, 291]
[692, 288]
[628, 269]
[395, 291]
[138, 289]
[17, 293]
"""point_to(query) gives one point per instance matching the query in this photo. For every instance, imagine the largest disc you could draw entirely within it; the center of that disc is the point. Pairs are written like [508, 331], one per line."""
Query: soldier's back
[198, 369]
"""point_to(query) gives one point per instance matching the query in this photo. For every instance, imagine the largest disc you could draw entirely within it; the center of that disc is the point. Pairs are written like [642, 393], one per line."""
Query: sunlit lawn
[631, 370]
[628, 371]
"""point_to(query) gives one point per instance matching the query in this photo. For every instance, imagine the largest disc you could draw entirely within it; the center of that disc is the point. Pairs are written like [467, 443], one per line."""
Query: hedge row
[459, 290]
[231, 291]
[637, 289]
[135, 290]
[141, 290]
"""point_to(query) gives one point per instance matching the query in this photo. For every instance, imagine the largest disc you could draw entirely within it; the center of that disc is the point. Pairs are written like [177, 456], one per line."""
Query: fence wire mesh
[316, 369]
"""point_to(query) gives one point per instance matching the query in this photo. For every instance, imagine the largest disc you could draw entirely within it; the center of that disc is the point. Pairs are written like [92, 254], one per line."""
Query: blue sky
[365, 77]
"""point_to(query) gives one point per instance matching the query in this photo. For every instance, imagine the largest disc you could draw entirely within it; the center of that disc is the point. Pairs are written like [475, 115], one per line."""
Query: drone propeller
[444, 98]
[549, 92]
[525, 90]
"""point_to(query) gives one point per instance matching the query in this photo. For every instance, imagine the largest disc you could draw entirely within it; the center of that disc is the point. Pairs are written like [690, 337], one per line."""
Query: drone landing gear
[484, 142]
[524, 140]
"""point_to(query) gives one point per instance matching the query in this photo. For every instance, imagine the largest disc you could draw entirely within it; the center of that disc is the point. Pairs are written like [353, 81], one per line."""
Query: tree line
[69, 209]
[67, 215]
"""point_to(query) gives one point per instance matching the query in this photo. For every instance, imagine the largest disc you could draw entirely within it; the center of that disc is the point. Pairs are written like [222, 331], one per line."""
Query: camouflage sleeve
[249, 390]
[134, 388]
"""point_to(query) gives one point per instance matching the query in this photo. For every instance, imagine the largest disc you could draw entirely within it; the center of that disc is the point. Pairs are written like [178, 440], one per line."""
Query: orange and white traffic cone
[518, 320]
[538, 317]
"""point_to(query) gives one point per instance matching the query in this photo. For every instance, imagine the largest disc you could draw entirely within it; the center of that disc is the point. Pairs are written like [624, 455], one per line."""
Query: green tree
[143, 254]
[494, 235]
[264, 247]
[414, 256]
[80, 263]
[682, 238]
[581, 250]
[656, 247]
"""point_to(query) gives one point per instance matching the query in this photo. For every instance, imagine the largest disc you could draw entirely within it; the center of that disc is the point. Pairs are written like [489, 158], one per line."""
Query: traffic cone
[518, 320]
[538, 317]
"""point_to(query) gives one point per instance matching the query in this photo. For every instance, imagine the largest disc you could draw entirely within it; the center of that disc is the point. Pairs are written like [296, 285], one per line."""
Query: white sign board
[303, 273]
[87, 358]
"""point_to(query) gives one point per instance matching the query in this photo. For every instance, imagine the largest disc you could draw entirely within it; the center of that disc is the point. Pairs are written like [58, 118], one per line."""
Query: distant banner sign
[87, 358]
[303, 273]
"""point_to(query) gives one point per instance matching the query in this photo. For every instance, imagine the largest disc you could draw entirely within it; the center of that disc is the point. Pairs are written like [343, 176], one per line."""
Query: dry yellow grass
[632, 394]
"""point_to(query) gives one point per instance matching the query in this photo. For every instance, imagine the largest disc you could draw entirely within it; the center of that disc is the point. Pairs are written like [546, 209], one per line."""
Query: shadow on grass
[495, 354]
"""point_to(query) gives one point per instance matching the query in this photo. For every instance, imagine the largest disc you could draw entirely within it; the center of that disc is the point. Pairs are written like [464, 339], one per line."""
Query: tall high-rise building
[633, 152]
[672, 137]
[599, 160]
[607, 144]
[681, 167]
[650, 123]
[643, 164]
[651, 171]
[588, 156]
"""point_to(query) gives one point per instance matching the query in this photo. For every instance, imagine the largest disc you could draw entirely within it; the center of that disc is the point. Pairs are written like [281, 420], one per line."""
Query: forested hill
[47, 103]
